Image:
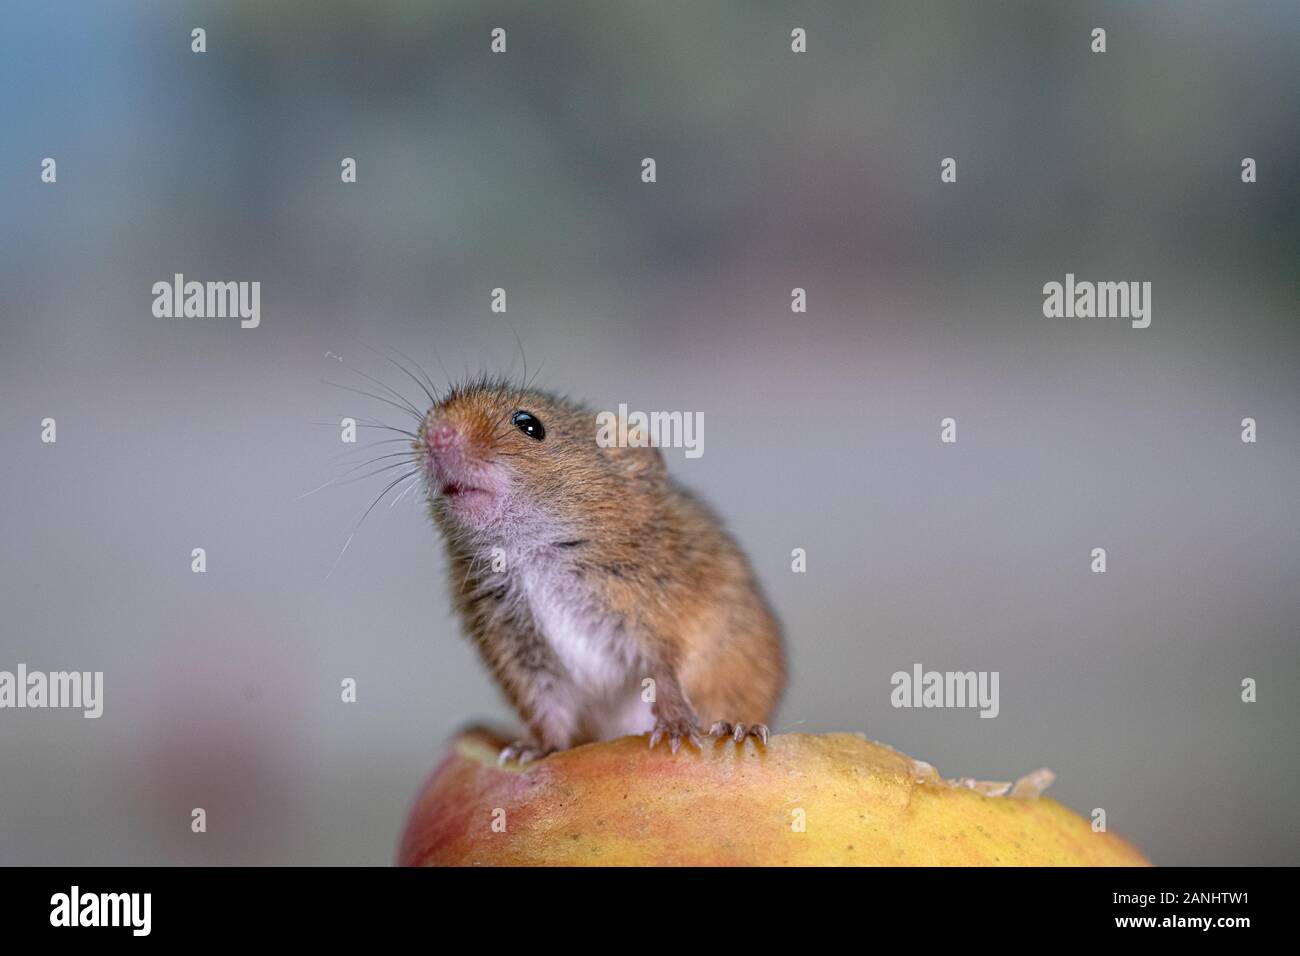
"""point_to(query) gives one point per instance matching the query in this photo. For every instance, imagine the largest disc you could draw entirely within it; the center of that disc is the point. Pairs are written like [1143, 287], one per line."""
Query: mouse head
[512, 463]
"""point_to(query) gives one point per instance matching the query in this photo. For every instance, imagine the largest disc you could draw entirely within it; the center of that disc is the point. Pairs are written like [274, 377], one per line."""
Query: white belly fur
[600, 662]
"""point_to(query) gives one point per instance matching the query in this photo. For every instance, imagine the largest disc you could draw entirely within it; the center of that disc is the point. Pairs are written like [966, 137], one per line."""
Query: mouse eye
[529, 425]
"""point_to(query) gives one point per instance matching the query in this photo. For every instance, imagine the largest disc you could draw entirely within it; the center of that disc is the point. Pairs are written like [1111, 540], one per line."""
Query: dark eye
[530, 426]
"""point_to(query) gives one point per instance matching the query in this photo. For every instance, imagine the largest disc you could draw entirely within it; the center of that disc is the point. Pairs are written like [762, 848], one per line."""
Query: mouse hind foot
[738, 732]
[523, 751]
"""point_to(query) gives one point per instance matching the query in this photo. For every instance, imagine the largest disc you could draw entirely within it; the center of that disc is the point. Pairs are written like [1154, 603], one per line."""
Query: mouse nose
[443, 436]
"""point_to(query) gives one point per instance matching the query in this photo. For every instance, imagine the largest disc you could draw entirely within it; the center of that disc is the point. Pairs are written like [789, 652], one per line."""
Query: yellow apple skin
[619, 803]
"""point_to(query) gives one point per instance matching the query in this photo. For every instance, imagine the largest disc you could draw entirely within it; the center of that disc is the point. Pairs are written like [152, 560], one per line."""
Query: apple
[804, 799]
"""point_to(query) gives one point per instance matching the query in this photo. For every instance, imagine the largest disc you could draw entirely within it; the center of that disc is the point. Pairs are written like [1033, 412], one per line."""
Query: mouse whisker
[529, 383]
[407, 403]
[342, 551]
[368, 446]
[474, 562]
[427, 386]
[353, 533]
[372, 423]
[370, 461]
[523, 376]
[306, 494]
[427, 377]
[343, 480]
[360, 391]
[414, 483]
[380, 497]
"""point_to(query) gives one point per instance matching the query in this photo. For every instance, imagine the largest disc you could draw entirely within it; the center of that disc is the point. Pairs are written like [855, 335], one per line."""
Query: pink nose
[442, 437]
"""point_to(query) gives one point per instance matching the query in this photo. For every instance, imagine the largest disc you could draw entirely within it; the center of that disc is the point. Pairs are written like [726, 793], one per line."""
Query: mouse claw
[522, 751]
[676, 732]
[738, 732]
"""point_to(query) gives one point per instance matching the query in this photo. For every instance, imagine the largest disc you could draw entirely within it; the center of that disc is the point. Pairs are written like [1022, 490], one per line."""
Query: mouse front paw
[675, 731]
[524, 751]
[738, 732]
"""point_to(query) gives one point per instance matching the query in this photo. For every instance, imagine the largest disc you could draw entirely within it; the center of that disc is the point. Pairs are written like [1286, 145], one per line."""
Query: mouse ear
[628, 444]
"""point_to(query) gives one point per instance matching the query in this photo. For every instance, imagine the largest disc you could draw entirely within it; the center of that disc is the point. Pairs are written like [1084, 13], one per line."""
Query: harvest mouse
[605, 599]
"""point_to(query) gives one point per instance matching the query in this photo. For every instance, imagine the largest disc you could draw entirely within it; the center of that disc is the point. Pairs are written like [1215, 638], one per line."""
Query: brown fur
[660, 570]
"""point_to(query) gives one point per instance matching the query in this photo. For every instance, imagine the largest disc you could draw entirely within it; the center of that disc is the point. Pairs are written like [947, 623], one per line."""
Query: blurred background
[775, 170]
